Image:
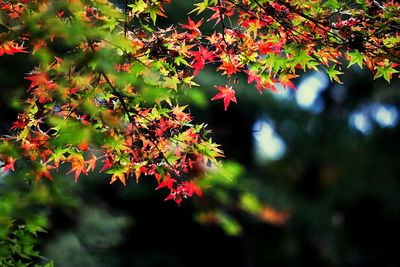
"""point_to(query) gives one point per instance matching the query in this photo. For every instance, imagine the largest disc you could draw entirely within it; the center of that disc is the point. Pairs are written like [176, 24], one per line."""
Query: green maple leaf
[333, 73]
[356, 58]
[171, 83]
[304, 60]
[138, 7]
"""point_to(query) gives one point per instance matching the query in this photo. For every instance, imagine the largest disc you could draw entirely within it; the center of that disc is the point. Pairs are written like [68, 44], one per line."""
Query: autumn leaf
[273, 216]
[167, 182]
[91, 163]
[193, 26]
[77, 165]
[108, 163]
[200, 58]
[8, 164]
[191, 188]
[58, 155]
[118, 176]
[227, 94]
[138, 171]
[10, 48]
[44, 170]
[286, 80]
[217, 14]
[200, 7]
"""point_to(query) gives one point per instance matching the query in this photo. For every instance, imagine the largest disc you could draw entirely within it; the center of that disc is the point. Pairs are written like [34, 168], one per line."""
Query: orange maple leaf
[91, 163]
[11, 47]
[44, 171]
[78, 165]
[118, 176]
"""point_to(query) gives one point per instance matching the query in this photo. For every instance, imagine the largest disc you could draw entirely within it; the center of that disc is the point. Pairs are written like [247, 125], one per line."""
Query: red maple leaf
[8, 165]
[286, 80]
[266, 47]
[189, 187]
[220, 12]
[193, 27]
[119, 175]
[139, 172]
[168, 182]
[203, 54]
[200, 58]
[226, 93]
[10, 48]
[173, 195]
[39, 78]
[108, 163]
[91, 163]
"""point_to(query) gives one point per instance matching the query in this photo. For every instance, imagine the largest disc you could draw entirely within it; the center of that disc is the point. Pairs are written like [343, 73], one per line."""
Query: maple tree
[105, 92]
[107, 71]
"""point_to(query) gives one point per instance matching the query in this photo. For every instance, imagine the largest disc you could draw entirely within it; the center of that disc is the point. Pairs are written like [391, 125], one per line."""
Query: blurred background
[309, 178]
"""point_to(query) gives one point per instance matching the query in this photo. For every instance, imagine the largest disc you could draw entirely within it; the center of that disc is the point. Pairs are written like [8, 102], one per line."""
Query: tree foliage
[105, 87]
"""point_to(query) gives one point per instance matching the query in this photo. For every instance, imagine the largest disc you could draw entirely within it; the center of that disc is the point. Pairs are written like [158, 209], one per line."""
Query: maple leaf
[173, 195]
[10, 48]
[39, 78]
[78, 165]
[227, 94]
[220, 12]
[168, 182]
[38, 44]
[21, 123]
[8, 165]
[138, 171]
[285, 80]
[118, 175]
[266, 47]
[230, 66]
[200, 58]
[333, 73]
[91, 163]
[108, 163]
[44, 171]
[179, 113]
[203, 54]
[253, 25]
[253, 77]
[189, 187]
[197, 65]
[193, 26]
